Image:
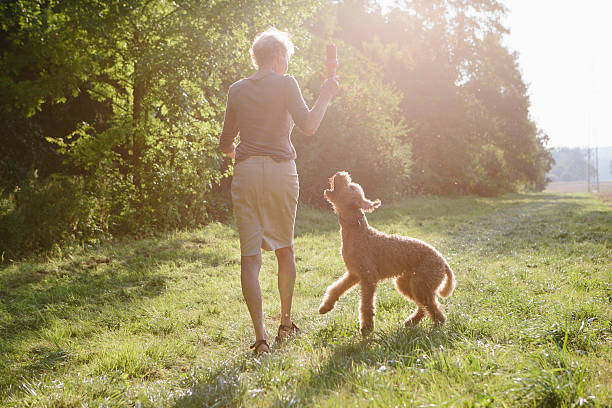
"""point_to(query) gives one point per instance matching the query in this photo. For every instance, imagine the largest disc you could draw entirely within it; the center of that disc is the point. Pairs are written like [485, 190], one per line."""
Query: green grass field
[161, 322]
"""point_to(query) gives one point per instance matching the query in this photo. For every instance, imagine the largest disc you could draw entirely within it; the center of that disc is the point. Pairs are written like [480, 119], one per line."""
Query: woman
[264, 108]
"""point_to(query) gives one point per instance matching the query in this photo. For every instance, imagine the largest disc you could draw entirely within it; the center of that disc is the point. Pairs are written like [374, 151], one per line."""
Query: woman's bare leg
[249, 279]
[286, 281]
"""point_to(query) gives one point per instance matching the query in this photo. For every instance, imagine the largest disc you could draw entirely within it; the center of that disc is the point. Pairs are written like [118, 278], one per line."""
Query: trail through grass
[161, 322]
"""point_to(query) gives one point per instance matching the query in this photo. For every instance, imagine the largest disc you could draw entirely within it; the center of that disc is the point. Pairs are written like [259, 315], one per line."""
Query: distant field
[160, 322]
[576, 187]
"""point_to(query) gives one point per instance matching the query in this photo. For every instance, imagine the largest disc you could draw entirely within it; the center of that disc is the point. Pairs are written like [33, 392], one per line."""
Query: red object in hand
[331, 61]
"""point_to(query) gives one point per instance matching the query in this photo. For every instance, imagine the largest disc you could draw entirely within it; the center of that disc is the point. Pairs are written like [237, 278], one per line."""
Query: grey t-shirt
[263, 108]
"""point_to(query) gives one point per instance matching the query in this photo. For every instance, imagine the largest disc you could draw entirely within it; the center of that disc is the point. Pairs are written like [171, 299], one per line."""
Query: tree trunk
[138, 94]
[138, 97]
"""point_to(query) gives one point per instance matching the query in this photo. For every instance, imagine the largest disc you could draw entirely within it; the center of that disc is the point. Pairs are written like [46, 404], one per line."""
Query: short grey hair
[267, 45]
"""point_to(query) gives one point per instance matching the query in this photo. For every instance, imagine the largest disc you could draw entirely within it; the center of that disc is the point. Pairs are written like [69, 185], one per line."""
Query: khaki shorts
[265, 195]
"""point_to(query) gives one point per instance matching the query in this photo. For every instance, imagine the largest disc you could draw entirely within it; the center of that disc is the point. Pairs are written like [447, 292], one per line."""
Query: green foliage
[151, 78]
[23, 147]
[21, 136]
[128, 97]
[490, 172]
[46, 214]
[171, 186]
[42, 55]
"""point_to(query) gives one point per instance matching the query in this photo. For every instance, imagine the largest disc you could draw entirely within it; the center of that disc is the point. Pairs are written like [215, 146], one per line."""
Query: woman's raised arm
[329, 89]
[308, 120]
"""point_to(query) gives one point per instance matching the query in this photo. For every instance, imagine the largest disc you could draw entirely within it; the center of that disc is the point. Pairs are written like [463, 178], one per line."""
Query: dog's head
[347, 196]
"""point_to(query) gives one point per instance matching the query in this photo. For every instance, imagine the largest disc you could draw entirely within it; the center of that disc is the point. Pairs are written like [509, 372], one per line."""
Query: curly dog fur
[370, 256]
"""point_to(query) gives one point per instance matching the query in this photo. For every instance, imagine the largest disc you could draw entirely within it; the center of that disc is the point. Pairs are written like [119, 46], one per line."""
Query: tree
[153, 74]
[570, 164]
[446, 59]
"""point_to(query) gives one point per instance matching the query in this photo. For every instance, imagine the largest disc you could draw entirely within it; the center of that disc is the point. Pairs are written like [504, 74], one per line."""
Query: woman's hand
[330, 87]
[231, 153]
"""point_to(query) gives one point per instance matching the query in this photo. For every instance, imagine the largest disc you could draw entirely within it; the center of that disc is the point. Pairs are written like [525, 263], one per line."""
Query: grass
[161, 322]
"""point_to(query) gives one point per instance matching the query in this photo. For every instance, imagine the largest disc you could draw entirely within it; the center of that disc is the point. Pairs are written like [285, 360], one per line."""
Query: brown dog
[370, 256]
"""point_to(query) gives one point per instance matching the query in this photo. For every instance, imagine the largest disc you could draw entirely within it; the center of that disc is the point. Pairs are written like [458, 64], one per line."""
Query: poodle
[370, 256]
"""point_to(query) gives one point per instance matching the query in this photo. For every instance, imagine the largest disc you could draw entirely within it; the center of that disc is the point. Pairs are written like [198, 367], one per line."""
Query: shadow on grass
[405, 347]
[44, 307]
[42, 313]
[402, 347]
[221, 387]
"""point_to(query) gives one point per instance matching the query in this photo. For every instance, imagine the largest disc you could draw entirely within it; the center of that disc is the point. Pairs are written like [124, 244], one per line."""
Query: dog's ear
[327, 194]
[340, 179]
[369, 206]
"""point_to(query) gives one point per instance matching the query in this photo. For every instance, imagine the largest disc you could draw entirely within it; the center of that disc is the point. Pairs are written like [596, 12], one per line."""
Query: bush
[490, 176]
[168, 187]
[45, 213]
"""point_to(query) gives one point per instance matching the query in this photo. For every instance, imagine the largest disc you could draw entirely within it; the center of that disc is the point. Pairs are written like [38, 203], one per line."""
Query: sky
[565, 57]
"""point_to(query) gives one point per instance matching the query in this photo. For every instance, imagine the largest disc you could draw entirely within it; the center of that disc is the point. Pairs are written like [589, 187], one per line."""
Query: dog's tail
[449, 283]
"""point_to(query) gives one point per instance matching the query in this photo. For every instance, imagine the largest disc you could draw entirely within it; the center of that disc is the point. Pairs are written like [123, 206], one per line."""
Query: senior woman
[263, 108]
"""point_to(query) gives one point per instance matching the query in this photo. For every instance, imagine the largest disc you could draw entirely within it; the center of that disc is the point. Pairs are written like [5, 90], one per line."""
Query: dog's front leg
[367, 309]
[336, 290]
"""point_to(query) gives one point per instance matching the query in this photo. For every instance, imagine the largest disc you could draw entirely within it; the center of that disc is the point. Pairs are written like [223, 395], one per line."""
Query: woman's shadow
[385, 350]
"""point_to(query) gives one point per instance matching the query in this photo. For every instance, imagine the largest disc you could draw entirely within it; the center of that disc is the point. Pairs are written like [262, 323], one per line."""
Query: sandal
[255, 346]
[284, 332]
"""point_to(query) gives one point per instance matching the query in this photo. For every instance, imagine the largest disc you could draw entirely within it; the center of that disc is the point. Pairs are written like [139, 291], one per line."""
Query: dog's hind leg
[367, 309]
[402, 283]
[416, 316]
[433, 310]
[336, 290]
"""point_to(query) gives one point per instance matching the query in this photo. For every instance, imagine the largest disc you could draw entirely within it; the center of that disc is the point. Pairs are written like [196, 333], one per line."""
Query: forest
[111, 110]
[571, 164]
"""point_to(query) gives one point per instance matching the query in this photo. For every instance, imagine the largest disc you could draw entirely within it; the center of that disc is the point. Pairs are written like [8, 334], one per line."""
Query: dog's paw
[366, 330]
[413, 321]
[324, 308]
[410, 323]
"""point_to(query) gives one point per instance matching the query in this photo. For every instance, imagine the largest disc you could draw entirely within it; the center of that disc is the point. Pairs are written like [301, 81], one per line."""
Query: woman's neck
[261, 72]
[266, 69]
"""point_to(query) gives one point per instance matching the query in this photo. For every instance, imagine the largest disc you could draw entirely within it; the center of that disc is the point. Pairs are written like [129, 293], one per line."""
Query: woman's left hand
[330, 87]
[231, 153]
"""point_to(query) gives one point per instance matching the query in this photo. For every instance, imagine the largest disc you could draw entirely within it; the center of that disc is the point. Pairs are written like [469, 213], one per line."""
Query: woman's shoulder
[258, 78]
[272, 82]
[289, 78]
[291, 84]
[237, 84]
